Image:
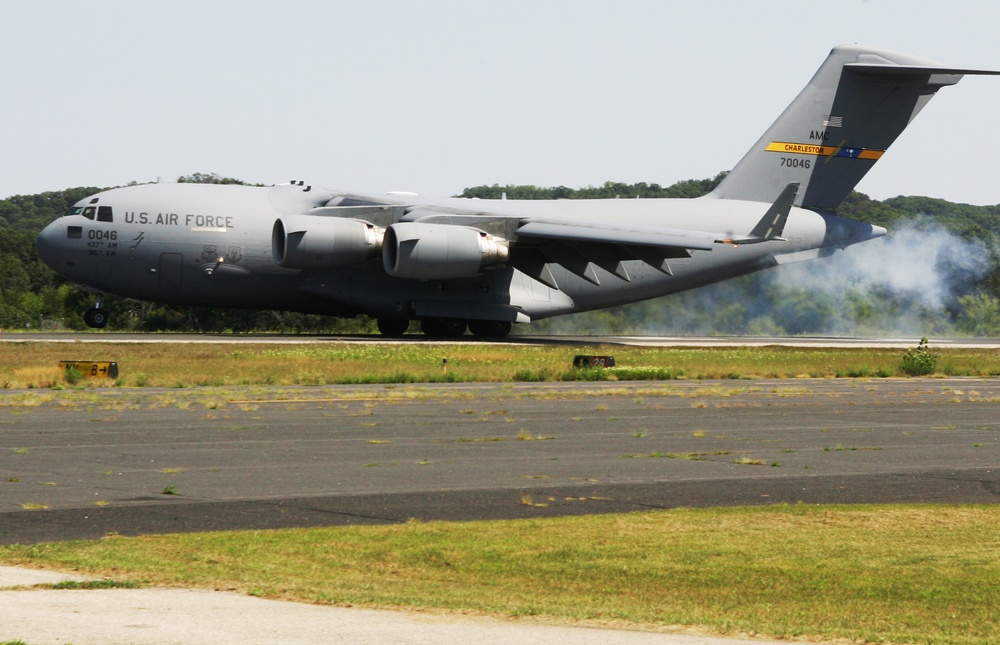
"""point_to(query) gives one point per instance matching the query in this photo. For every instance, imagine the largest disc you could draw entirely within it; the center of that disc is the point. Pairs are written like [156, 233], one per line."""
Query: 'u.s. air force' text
[174, 219]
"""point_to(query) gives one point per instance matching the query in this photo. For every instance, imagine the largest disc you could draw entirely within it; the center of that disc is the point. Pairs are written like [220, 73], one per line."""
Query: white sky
[433, 97]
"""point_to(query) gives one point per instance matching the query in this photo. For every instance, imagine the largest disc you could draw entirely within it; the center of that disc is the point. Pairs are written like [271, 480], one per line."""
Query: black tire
[97, 318]
[490, 328]
[443, 327]
[392, 327]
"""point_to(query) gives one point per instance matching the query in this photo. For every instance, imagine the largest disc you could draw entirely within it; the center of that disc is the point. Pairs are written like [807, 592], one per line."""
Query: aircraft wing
[578, 246]
[538, 241]
[652, 236]
[770, 227]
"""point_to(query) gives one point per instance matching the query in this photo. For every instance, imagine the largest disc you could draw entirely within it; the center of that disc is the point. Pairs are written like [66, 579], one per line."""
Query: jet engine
[440, 251]
[315, 242]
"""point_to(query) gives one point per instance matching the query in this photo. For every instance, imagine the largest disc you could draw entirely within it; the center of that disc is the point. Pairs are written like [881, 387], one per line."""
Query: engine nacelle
[440, 251]
[316, 242]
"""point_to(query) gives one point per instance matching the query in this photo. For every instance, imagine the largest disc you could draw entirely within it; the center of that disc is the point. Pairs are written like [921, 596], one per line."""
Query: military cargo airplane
[459, 264]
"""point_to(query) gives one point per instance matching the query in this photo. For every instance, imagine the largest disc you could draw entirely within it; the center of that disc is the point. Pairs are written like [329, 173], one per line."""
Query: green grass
[32, 365]
[916, 574]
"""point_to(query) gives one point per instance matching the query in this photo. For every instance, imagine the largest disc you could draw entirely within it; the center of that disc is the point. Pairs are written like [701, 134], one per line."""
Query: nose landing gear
[96, 316]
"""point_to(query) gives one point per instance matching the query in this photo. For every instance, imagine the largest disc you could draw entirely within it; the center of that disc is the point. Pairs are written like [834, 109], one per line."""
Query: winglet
[772, 225]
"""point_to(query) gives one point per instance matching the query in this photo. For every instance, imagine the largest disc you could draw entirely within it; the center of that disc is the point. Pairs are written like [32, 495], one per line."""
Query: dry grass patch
[35, 377]
[316, 364]
[524, 435]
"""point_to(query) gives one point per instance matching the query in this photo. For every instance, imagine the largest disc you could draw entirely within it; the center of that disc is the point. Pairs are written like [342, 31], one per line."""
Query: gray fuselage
[211, 245]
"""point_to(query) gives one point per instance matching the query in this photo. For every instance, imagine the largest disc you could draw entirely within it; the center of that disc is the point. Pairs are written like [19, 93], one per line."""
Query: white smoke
[903, 284]
[921, 261]
[911, 277]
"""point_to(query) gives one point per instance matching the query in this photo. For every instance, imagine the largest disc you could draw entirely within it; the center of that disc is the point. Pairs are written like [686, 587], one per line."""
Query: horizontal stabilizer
[919, 70]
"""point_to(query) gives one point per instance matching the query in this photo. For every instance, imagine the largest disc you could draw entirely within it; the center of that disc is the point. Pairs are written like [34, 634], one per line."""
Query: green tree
[211, 178]
[608, 190]
[33, 212]
[979, 315]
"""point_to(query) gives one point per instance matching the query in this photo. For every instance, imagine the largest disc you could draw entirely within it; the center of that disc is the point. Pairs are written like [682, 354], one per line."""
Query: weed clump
[532, 376]
[73, 375]
[648, 373]
[864, 372]
[918, 361]
[587, 374]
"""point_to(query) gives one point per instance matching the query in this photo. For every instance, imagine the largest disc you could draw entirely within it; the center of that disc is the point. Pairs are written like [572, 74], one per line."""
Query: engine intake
[315, 242]
[440, 251]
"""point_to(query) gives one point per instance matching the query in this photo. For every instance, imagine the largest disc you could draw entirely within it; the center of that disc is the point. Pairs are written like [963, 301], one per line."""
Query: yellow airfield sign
[92, 369]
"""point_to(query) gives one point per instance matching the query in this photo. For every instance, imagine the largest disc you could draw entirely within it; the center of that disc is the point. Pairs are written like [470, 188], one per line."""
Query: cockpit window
[88, 212]
[74, 210]
[104, 214]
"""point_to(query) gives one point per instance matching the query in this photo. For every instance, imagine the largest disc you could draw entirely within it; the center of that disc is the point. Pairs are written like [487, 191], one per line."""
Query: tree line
[956, 244]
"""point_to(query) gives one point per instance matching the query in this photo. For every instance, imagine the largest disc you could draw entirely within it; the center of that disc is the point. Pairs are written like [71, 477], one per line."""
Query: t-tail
[835, 130]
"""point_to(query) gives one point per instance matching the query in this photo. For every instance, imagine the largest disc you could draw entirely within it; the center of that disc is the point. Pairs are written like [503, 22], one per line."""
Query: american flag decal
[833, 122]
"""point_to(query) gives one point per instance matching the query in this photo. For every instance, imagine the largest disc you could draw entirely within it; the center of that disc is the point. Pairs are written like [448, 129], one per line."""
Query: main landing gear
[490, 328]
[443, 327]
[96, 316]
[392, 327]
[446, 327]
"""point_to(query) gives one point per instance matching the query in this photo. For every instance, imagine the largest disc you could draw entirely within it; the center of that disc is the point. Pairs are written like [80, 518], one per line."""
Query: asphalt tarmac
[86, 464]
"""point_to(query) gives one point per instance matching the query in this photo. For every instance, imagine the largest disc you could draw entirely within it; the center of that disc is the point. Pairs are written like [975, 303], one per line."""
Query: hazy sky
[433, 97]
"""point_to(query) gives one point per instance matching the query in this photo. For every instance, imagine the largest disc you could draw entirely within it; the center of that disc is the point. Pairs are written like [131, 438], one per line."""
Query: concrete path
[40, 616]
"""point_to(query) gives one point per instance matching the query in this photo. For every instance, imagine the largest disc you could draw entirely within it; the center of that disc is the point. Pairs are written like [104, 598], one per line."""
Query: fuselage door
[171, 270]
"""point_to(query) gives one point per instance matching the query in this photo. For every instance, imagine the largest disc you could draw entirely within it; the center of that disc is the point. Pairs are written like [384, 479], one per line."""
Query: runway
[644, 341]
[85, 464]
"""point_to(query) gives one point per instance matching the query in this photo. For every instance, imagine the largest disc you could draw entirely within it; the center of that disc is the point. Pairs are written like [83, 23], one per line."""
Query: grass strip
[914, 574]
[34, 365]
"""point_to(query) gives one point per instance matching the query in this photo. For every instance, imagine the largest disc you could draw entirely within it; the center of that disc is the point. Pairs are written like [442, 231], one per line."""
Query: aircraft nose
[51, 242]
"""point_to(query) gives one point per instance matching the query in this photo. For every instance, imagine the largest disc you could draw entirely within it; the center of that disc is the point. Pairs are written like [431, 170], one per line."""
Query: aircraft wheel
[393, 327]
[490, 328]
[95, 317]
[443, 327]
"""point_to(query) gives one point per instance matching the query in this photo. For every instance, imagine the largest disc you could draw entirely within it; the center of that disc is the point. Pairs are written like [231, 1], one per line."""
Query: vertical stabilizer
[835, 130]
